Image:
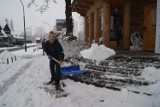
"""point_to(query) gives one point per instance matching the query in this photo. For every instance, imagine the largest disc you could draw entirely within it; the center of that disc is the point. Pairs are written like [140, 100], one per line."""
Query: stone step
[127, 71]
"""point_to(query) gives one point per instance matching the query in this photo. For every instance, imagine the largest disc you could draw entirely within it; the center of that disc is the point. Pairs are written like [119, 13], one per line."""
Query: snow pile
[3, 48]
[155, 89]
[97, 52]
[5, 54]
[32, 51]
[31, 44]
[151, 74]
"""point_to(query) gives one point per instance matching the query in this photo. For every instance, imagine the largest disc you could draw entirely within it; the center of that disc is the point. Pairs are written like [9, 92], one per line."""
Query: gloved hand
[61, 63]
[49, 57]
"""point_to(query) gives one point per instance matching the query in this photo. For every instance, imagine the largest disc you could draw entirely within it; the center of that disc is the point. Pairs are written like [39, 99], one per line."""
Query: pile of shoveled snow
[5, 54]
[97, 52]
[151, 74]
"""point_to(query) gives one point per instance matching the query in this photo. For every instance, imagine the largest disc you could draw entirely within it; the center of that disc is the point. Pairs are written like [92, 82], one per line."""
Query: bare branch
[43, 7]
[32, 2]
[54, 1]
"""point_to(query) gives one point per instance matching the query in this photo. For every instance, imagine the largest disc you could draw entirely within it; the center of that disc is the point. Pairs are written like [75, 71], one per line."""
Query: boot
[58, 87]
[50, 82]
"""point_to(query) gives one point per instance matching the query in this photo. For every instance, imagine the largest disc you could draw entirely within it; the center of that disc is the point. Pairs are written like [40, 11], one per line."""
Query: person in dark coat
[43, 43]
[53, 49]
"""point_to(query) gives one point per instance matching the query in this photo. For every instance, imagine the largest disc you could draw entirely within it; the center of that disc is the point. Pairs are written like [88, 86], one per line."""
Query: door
[149, 27]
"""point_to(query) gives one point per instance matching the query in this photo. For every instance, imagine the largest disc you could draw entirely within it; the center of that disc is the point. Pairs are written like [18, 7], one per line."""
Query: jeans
[55, 72]
[43, 51]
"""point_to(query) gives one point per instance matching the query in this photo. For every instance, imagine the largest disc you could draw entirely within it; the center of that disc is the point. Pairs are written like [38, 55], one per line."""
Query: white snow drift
[97, 52]
[151, 74]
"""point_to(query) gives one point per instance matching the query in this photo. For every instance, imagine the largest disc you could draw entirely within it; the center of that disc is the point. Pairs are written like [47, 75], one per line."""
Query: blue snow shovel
[70, 70]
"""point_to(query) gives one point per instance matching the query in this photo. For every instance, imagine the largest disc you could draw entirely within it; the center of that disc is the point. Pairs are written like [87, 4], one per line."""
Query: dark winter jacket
[54, 50]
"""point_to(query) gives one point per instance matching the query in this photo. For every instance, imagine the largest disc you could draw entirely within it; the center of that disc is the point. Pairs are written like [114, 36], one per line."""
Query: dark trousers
[43, 51]
[55, 72]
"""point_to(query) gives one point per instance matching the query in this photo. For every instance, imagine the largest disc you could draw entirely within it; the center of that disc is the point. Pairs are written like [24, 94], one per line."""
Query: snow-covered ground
[21, 82]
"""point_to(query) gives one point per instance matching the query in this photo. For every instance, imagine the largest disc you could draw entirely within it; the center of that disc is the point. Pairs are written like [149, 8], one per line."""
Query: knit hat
[52, 35]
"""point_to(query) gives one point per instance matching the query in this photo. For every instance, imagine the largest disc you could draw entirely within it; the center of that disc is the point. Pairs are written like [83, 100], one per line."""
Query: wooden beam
[86, 2]
[82, 6]
[98, 5]
[106, 23]
[126, 25]
[83, 3]
[80, 11]
[96, 26]
[117, 1]
[86, 29]
[90, 29]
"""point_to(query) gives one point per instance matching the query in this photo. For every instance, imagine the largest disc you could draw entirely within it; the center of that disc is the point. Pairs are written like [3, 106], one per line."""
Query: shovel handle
[56, 60]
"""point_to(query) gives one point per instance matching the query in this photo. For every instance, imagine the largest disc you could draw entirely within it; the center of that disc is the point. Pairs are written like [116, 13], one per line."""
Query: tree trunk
[69, 23]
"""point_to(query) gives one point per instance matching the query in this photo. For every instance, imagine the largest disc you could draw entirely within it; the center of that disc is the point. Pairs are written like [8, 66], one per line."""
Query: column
[106, 23]
[90, 29]
[96, 26]
[86, 29]
[157, 46]
[126, 26]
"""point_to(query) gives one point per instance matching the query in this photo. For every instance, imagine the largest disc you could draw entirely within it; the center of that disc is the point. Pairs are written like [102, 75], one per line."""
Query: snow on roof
[38, 38]
[15, 35]
[97, 52]
[4, 34]
[18, 37]
[2, 24]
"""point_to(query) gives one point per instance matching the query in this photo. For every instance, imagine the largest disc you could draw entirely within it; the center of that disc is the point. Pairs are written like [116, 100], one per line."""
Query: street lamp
[47, 24]
[24, 27]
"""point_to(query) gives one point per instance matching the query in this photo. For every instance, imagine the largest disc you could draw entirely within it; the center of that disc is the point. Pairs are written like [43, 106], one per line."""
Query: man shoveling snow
[53, 49]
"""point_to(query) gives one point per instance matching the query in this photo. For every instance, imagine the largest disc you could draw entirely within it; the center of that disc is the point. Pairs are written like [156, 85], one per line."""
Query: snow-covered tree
[12, 25]
[39, 31]
[6, 20]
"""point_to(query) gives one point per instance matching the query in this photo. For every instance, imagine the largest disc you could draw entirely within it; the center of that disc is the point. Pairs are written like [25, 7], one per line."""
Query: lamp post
[24, 27]
[47, 24]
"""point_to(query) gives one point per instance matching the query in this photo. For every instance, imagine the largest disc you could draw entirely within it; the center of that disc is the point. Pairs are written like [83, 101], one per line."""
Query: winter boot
[50, 82]
[58, 87]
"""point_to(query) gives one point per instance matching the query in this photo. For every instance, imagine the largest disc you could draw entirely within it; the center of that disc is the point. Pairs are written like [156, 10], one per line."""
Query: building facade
[111, 22]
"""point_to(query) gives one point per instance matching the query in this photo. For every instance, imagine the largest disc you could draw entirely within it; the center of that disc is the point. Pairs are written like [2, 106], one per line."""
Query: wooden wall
[137, 16]
[135, 23]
